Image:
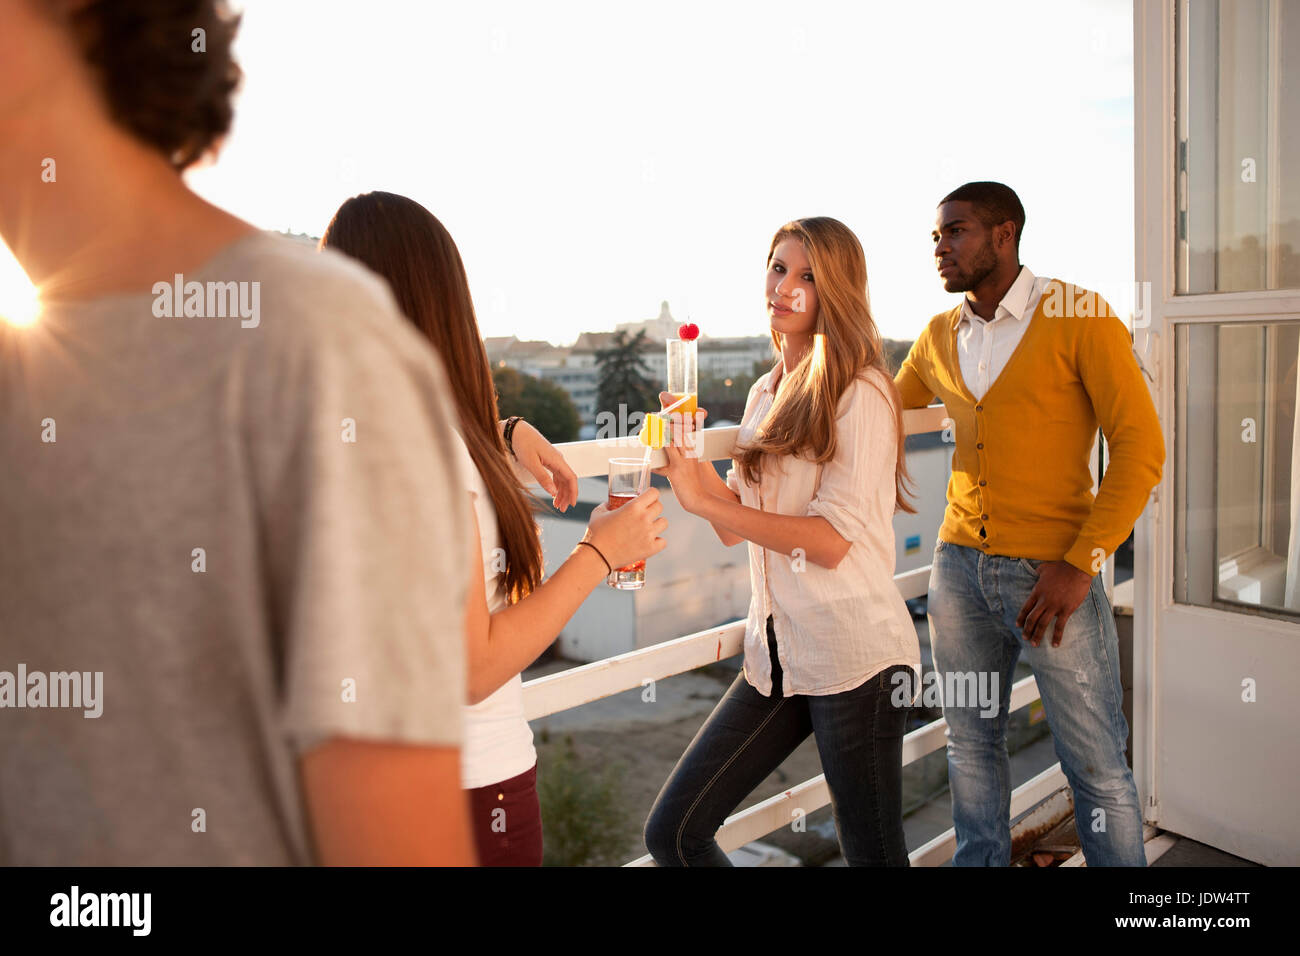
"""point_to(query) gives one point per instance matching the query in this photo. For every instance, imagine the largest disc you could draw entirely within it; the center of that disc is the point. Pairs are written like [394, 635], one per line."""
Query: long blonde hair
[846, 343]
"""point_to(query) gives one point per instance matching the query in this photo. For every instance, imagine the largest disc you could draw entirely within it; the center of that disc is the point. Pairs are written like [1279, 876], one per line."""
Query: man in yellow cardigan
[1028, 368]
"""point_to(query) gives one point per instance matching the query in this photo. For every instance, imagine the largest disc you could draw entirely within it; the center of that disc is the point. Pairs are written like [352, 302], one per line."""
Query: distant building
[527, 356]
[734, 357]
[582, 366]
[551, 364]
[584, 351]
[723, 357]
[659, 329]
[303, 237]
[574, 369]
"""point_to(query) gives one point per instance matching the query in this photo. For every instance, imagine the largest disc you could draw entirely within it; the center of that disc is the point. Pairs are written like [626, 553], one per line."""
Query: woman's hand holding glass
[630, 533]
[684, 468]
[688, 423]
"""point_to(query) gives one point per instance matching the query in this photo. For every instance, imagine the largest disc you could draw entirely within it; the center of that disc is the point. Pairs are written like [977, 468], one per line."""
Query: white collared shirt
[984, 346]
[834, 628]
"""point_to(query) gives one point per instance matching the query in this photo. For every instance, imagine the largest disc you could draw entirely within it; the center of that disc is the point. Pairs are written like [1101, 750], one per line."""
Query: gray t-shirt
[306, 449]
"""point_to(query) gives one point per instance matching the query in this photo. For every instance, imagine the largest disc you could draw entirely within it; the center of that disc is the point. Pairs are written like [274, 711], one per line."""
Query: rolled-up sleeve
[866, 438]
[754, 406]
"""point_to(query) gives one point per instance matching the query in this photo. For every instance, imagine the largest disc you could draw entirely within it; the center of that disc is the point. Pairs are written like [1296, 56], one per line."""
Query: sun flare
[19, 304]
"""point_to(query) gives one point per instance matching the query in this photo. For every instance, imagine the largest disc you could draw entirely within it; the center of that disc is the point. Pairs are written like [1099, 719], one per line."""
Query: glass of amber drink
[624, 481]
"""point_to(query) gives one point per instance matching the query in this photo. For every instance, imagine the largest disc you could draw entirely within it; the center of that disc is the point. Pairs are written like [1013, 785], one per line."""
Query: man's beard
[985, 262]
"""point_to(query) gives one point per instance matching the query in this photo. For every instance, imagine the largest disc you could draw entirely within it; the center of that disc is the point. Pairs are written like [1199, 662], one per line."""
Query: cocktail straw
[645, 471]
[649, 450]
[674, 406]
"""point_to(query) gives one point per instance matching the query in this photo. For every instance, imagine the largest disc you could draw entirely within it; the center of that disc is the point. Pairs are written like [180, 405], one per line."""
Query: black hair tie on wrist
[511, 422]
[602, 557]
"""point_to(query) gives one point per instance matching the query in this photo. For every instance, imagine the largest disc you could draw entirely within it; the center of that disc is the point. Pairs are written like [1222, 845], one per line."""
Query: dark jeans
[859, 736]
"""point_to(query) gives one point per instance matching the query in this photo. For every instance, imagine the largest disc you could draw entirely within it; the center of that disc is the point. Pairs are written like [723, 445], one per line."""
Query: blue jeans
[973, 602]
[859, 736]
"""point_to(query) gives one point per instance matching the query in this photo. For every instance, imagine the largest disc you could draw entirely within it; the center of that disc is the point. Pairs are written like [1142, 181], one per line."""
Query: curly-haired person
[225, 456]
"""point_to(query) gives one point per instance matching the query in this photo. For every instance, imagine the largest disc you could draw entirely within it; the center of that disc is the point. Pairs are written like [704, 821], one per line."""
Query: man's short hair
[158, 85]
[994, 203]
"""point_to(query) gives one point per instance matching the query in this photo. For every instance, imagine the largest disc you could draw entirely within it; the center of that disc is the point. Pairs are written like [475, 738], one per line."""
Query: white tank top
[498, 741]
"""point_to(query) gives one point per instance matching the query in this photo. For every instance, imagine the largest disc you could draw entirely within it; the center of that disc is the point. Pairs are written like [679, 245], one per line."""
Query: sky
[593, 159]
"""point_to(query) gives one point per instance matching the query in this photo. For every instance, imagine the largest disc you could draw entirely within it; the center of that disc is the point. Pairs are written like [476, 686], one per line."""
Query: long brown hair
[846, 343]
[406, 244]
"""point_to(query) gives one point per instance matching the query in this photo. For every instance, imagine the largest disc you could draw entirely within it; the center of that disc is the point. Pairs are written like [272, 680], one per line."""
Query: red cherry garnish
[688, 332]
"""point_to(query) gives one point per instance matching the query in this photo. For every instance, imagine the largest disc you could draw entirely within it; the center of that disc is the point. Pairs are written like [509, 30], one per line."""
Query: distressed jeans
[974, 600]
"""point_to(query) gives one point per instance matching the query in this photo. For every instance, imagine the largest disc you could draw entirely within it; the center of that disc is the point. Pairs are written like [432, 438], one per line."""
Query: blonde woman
[829, 644]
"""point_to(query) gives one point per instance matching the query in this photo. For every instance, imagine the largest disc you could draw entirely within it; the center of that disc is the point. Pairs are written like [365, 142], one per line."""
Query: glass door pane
[1238, 122]
[1237, 503]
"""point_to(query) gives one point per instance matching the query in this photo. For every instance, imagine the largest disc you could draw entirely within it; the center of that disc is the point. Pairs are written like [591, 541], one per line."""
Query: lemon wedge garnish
[654, 431]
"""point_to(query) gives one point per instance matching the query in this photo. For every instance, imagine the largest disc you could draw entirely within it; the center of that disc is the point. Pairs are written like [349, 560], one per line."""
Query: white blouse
[834, 628]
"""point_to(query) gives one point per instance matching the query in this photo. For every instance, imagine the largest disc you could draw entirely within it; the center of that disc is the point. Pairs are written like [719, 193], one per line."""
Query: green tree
[544, 405]
[623, 378]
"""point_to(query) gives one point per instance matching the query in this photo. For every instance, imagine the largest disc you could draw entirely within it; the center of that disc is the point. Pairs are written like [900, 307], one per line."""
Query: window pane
[1236, 539]
[1238, 115]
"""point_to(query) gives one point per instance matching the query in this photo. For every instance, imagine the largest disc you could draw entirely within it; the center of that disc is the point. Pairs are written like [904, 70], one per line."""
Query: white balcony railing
[589, 682]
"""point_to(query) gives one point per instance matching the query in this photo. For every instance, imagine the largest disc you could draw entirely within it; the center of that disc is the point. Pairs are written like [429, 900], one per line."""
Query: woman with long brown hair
[829, 644]
[513, 614]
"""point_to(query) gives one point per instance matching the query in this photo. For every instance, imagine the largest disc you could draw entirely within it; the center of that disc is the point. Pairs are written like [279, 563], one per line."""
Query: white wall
[929, 469]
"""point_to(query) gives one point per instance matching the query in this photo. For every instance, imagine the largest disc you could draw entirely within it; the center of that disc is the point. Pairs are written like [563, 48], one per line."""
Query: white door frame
[1156, 617]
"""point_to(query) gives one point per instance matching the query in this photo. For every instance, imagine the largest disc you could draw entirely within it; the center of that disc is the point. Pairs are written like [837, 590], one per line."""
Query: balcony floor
[1187, 852]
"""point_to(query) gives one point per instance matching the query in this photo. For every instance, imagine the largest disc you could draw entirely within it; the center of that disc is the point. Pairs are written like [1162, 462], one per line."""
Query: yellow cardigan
[1020, 466]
